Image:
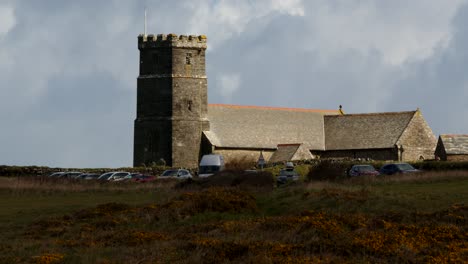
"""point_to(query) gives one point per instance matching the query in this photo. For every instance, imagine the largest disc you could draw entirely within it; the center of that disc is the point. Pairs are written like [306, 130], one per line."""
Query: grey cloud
[68, 68]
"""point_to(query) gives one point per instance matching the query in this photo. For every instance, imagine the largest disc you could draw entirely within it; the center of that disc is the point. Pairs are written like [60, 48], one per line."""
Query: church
[175, 123]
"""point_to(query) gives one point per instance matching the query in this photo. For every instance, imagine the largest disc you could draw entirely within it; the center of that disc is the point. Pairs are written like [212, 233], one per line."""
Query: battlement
[171, 40]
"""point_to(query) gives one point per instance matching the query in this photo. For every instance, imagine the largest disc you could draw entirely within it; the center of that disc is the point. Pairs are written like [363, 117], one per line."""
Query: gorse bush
[216, 199]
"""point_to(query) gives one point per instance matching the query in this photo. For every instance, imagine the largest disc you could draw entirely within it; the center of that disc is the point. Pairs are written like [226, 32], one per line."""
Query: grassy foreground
[401, 219]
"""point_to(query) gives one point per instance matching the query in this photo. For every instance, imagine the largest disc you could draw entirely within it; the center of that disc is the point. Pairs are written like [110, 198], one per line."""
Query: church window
[188, 58]
[189, 105]
[155, 62]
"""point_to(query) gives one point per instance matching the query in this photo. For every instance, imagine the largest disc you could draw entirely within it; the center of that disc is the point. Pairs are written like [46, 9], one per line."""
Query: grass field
[400, 219]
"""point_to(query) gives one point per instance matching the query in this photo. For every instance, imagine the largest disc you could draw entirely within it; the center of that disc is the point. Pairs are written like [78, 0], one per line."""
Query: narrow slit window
[189, 105]
[188, 58]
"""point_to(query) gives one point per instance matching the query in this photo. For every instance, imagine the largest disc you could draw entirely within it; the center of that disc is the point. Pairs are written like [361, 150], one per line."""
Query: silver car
[176, 174]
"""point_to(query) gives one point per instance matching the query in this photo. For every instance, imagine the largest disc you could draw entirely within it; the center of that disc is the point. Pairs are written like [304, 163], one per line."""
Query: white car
[119, 176]
[176, 174]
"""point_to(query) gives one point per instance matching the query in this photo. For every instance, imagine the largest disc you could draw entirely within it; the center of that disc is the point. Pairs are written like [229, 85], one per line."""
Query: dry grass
[47, 185]
[429, 176]
[316, 222]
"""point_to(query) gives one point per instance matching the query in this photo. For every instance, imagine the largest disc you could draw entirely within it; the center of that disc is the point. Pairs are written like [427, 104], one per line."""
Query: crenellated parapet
[171, 40]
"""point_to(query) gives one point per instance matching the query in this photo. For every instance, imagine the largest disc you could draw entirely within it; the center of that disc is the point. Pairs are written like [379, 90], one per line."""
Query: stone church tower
[171, 100]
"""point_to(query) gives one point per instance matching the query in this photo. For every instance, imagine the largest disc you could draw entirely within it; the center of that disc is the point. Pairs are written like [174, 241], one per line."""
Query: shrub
[240, 164]
[328, 170]
[231, 178]
[215, 199]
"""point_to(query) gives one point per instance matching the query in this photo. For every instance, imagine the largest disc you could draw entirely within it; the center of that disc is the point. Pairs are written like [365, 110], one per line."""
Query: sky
[68, 69]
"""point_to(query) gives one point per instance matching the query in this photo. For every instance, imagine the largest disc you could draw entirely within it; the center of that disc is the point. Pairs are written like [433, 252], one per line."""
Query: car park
[363, 170]
[397, 168]
[176, 173]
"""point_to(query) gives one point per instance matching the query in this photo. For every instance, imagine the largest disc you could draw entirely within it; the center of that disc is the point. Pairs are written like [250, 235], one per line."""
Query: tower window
[188, 58]
[155, 62]
[189, 105]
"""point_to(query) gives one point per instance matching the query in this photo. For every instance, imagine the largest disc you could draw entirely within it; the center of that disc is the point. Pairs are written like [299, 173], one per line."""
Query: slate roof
[285, 152]
[365, 131]
[455, 144]
[234, 126]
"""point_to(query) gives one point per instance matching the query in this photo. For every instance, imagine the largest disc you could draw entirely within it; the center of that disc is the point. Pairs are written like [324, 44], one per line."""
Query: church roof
[365, 131]
[285, 152]
[235, 126]
[455, 144]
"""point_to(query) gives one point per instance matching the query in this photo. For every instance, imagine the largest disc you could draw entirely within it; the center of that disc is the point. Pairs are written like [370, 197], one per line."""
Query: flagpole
[145, 21]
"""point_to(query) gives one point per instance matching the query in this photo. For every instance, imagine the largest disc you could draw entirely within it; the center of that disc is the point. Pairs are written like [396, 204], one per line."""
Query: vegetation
[398, 219]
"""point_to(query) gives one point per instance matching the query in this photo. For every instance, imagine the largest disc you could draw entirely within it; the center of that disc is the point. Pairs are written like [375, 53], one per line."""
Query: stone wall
[152, 141]
[171, 100]
[417, 141]
[374, 154]
[302, 153]
[459, 157]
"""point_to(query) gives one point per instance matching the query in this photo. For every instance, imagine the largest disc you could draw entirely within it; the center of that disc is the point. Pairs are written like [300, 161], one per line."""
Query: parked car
[144, 178]
[56, 174]
[396, 168]
[69, 175]
[119, 176]
[89, 176]
[210, 164]
[363, 170]
[105, 176]
[287, 175]
[176, 173]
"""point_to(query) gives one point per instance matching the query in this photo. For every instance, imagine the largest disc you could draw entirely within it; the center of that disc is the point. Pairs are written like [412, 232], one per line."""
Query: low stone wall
[457, 157]
[377, 154]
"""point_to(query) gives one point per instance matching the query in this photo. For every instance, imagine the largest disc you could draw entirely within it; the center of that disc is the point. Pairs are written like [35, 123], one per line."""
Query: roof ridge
[374, 114]
[272, 108]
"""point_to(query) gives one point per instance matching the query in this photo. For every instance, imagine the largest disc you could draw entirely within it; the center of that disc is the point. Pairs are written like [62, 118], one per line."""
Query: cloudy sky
[68, 68]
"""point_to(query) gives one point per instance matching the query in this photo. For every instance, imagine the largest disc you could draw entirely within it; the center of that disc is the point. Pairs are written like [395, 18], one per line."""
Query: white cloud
[226, 18]
[67, 62]
[400, 30]
[7, 19]
[291, 7]
[228, 84]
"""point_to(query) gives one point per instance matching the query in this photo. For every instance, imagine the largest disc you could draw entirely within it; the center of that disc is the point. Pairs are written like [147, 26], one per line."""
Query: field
[398, 219]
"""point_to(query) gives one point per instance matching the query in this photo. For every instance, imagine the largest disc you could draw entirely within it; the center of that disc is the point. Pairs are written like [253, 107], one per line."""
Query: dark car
[397, 168]
[69, 175]
[287, 175]
[144, 178]
[88, 176]
[363, 170]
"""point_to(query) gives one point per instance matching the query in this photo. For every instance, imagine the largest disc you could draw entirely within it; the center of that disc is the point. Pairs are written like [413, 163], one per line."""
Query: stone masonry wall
[171, 100]
[418, 141]
[459, 157]
[374, 154]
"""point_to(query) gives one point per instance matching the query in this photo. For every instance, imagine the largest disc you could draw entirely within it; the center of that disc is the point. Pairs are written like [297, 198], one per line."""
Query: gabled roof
[234, 126]
[285, 152]
[290, 152]
[365, 131]
[455, 144]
